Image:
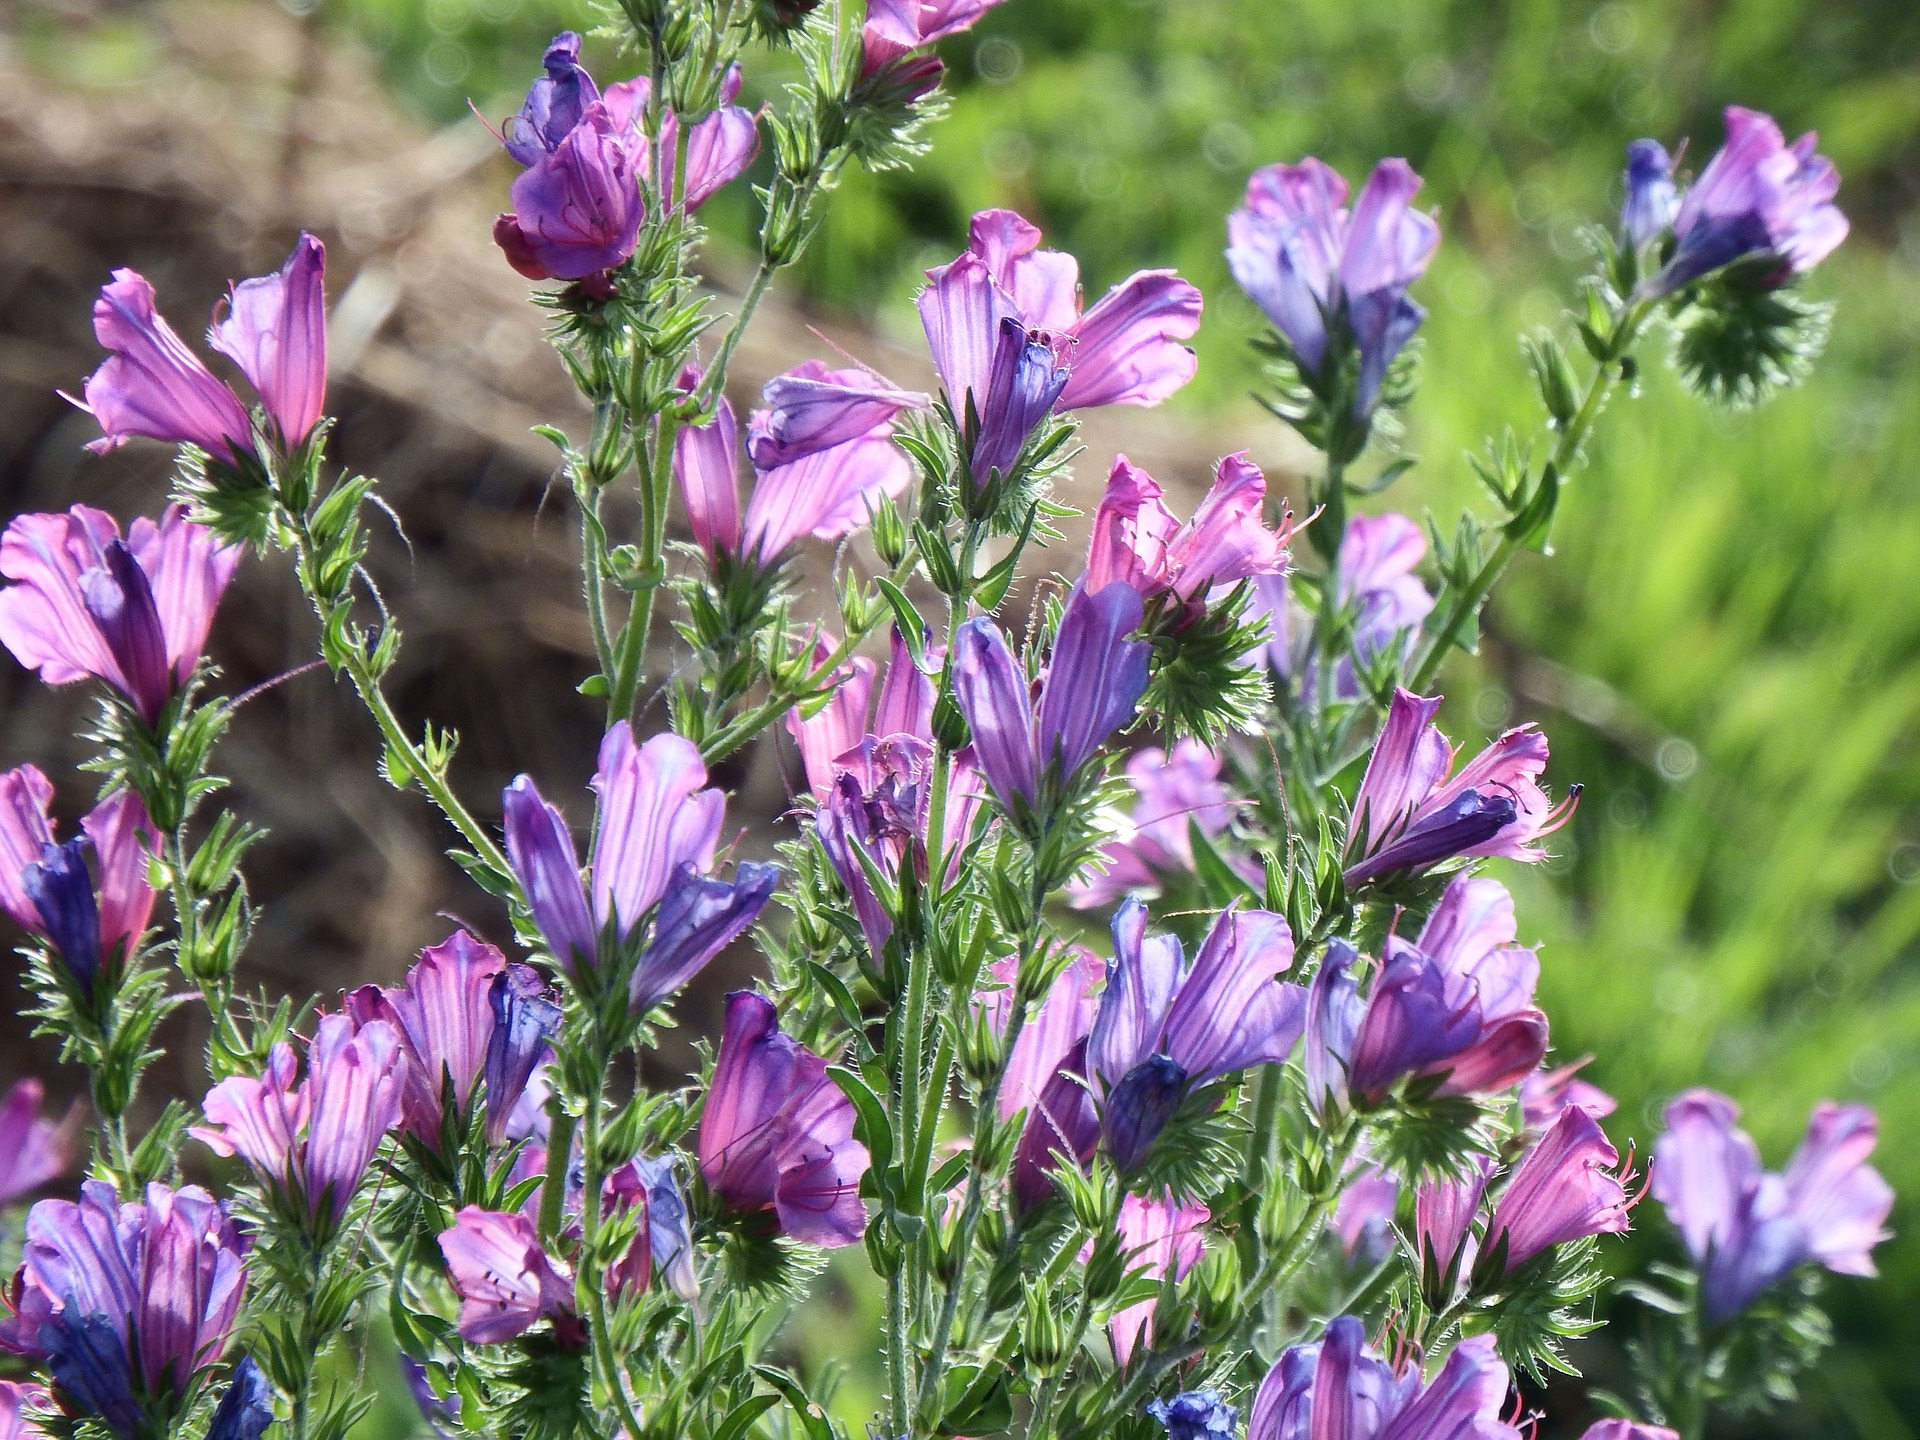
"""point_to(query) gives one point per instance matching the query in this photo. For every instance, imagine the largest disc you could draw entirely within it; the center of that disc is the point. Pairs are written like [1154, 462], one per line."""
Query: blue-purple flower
[469, 1023]
[128, 1302]
[663, 1237]
[1045, 1076]
[1571, 1184]
[1409, 815]
[134, 612]
[246, 1409]
[1327, 278]
[1165, 1028]
[776, 1133]
[1747, 1228]
[1652, 199]
[653, 848]
[309, 1139]
[1758, 199]
[1444, 1209]
[1196, 1415]
[1095, 678]
[1337, 1387]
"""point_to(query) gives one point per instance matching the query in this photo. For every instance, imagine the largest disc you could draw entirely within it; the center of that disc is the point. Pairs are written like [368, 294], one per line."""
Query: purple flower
[878, 816]
[1455, 1006]
[90, 920]
[134, 613]
[1566, 1187]
[246, 1409]
[310, 1140]
[1310, 265]
[1408, 815]
[464, 1013]
[1758, 198]
[1545, 1093]
[1364, 1215]
[505, 1280]
[827, 492]
[1137, 540]
[1628, 1430]
[776, 1134]
[127, 1303]
[1177, 789]
[32, 1150]
[1337, 1387]
[1009, 339]
[658, 828]
[830, 739]
[1652, 199]
[554, 105]
[719, 148]
[1163, 1238]
[1746, 1228]
[1046, 1041]
[663, 1243]
[18, 1402]
[1095, 679]
[902, 25]
[1444, 1209]
[1195, 1415]
[811, 408]
[1062, 1128]
[1165, 1028]
[275, 330]
[577, 209]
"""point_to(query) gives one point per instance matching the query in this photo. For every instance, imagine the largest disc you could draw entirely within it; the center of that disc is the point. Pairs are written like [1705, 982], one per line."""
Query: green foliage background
[1726, 648]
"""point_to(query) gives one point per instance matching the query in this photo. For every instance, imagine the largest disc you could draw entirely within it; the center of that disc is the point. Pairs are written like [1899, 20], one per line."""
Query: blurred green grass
[1726, 647]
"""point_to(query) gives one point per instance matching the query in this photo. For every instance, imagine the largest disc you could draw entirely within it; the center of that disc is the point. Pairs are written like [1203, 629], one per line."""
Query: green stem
[715, 379]
[912, 1051]
[593, 579]
[589, 1290]
[553, 1189]
[898, 1419]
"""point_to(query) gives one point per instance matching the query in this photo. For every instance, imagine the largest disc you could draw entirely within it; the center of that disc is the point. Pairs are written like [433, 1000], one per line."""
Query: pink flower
[1138, 541]
[1176, 790]
[505, 1280]
[1164, 1239]
[32, 1150]
[1569, 1185]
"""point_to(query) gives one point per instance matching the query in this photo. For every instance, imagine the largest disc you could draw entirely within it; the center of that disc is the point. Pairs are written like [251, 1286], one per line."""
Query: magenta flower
[1455, 1006]
[127, 1302]
[1759, 199]
[1745, 1228]
[776, 1134]
[811, 408]
[1165, 1028]
[1095, 678]
[1177, 789]
[1569, 1185]
[1408, 815]
[1627, 1430]
[1545, 1093]
[896, 26]
[274, 328]
[1337, 1387]
[33, 1150]
[310, 1140]
[827, 492]
[1310, 265]
[1058, 1023]
[1010, 342]
[719, 148]
[134, 613]
[1162, 1238]
[1137, 541]
[1652, 198]
[1063, 1128]
[653, 848]
[464, 1016]
[1363, 1216]
[90, 920]
[1444, 1209]
[505, 1280]
[18, 1402]
[830, 739]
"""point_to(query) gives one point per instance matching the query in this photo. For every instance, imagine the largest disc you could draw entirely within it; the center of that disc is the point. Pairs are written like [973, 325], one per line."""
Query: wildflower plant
[1281, 1147]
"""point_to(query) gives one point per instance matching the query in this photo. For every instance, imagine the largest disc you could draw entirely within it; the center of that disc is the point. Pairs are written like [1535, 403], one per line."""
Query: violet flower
[1095, 678]
[830, 738]
[1363, 1217]
[1746, 1228]
[894, 27]
[19, 1400]
[1758, 199]
[1311, 265]
[246, 1409]
[826, 492]
[1569, 1185]
[1338, 1387]
[663, 1243]
[1195, 1415]
[1010, 342]
[1163, 1238]
[33, 1150]
[1165, 1028]
[133, 612]
[469, 1023]
[1046, 1074]
[812, 408]
[274, 328]
[1378, 555]
[127, 1302]
[309, 1140]
[1408, 815]
[654, 845]
[92, 921]
[1652, 198]
[1177, 790]
[1545, 1093]
[505, 1280]
[1138, 541]
[776, 1134]
[1455, 1006]
[1063, 1128]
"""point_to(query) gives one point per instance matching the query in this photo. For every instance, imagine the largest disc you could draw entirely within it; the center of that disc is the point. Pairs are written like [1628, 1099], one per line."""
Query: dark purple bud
[1138, 1108]
[1195, 1415]
[246, 1409]
[62, 891]
[992, 691]
[120, 599]
[1062, 1128]
[554, 104]
[1652, 199]
[1025, 379]
[540, 849]
[698, 918]
[92, 1374]
[524, 1023]
[1095, 676]
[1469, 819]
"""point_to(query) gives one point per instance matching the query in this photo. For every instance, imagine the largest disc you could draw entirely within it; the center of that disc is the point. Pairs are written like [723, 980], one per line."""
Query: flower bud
[1043, 1344]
